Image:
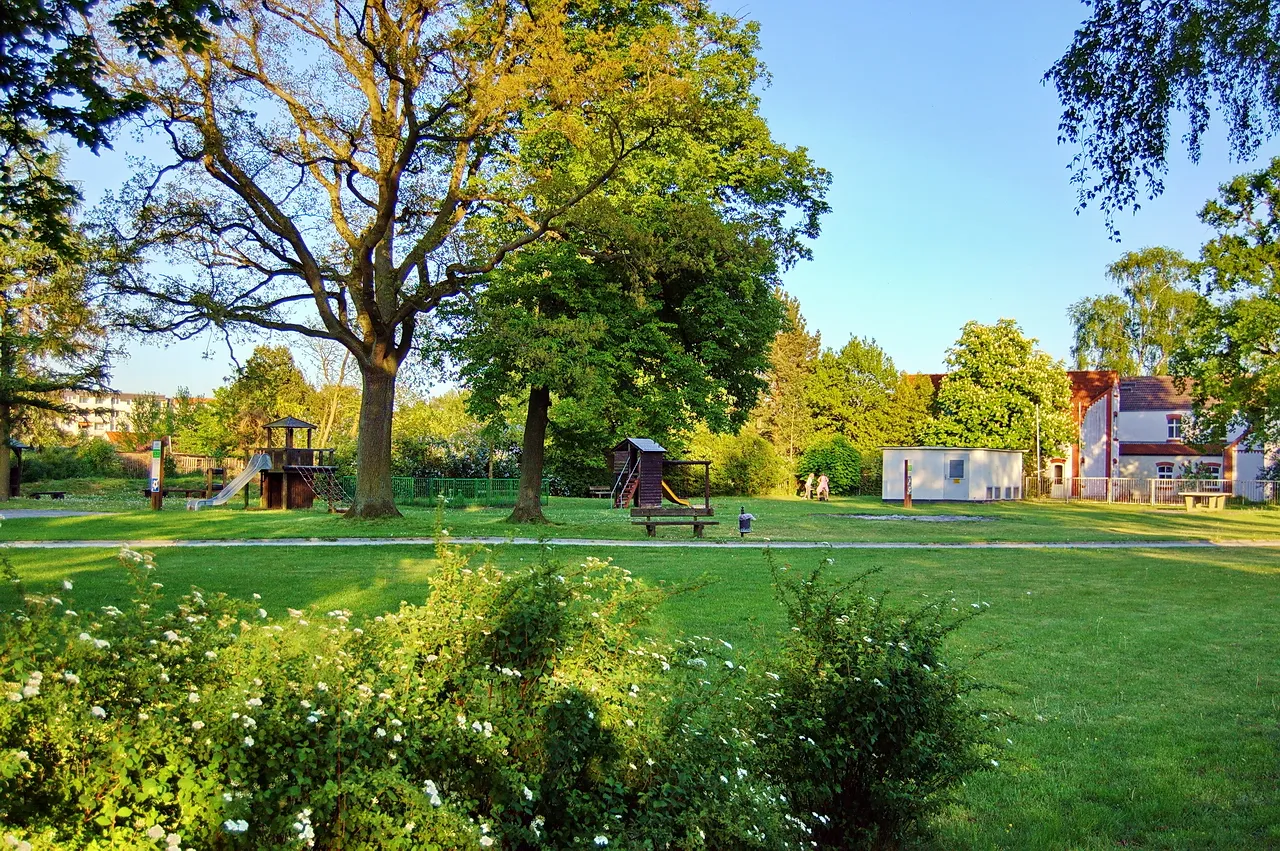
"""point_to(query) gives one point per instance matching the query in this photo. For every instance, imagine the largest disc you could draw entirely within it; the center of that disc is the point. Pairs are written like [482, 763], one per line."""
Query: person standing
[808, 487]
[824, 488]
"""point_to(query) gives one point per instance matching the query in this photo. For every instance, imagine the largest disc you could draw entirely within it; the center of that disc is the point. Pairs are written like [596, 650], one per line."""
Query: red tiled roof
[1180, 449]
[1089, 384]
[1153, 393]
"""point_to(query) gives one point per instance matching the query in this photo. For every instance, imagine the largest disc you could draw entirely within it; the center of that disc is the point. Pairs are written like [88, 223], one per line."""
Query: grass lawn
[1146, 683]
[782, 519]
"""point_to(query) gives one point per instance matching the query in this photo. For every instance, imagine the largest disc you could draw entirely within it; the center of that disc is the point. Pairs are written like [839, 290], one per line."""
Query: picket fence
[1136, 491]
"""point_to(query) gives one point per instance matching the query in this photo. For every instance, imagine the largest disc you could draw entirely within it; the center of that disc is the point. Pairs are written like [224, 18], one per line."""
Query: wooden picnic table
[1206, 500]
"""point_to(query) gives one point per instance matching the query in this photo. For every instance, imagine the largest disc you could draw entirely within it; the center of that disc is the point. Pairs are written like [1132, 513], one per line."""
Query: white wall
[1093, 440]
[1144, 466]
[1145, 427]
[983, 468]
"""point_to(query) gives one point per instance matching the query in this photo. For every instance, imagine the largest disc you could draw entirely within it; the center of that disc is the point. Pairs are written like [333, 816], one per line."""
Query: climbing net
[325, 484]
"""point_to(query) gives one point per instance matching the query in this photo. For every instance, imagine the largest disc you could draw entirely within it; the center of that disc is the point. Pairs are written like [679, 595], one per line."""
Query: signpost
[157, 475]
[906, 484]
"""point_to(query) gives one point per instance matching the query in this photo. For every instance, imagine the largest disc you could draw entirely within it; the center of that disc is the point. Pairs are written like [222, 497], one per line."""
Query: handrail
[629, 472]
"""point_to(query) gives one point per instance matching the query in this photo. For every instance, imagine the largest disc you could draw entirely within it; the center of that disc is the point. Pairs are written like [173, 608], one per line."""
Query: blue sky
[951, 198]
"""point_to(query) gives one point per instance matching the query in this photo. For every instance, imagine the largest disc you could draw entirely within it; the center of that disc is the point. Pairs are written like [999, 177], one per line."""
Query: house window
[1175, 426]
[955, 469]
[1008, 492]
[1164, 471]
[989, 489]
[1017, 493]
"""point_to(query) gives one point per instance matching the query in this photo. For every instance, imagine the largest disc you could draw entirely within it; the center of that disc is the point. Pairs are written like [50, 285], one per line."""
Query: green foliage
[868, 723]
[91, 457]
[783, 415]
[743, 464]
[438, 437]
[52, 85]
[836, 456]
[1136, 332]
[518, 708]
[1231, 358]
[1133, 65]
[997, 388]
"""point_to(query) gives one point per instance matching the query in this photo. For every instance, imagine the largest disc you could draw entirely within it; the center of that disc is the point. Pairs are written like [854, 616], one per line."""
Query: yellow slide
[671, 495]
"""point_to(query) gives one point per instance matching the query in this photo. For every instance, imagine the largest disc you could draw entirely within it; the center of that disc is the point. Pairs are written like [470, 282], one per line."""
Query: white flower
[262, 613]
[193, 697]
[210, 654]
[995, 764]
[248, 741]
[728, 664]
[257, 596]
[253, 701]
[528, 793]
[322, 686]
[486, 841]
[30, 690]
[601, 840]
[101, 643]
[235, 825]
[66, 585]
[197, 725]
[155, 832]
[380, 732]
[98, 712]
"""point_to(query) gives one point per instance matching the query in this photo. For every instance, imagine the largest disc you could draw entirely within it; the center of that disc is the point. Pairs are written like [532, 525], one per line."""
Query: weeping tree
[338, 171]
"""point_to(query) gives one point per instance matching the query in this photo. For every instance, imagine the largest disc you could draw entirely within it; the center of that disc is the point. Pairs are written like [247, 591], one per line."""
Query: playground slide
[671, 495]
[256, 464]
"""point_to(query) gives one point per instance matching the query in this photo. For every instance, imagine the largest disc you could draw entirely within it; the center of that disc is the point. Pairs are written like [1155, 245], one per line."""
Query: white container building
[953, 474]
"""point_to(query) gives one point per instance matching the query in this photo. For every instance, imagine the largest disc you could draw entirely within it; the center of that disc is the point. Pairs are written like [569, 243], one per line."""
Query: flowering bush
[866, 721]
[514, 709]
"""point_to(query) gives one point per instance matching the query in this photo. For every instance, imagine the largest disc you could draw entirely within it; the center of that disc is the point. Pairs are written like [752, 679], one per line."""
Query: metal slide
[256, 464]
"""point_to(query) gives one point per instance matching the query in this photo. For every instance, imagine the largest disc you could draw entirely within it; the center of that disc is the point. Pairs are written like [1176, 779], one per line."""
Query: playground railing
[457, 493]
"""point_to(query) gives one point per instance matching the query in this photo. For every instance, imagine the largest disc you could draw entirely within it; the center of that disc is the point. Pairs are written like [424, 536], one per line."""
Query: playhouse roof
[644, 444]
[290, 422]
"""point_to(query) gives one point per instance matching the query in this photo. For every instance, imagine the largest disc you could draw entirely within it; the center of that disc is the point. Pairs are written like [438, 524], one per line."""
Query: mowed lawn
[1146, 684]
[780, 519]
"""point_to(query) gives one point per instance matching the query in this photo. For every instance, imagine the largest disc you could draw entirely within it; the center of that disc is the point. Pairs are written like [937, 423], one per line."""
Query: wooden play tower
[296, 471]
[638, 464]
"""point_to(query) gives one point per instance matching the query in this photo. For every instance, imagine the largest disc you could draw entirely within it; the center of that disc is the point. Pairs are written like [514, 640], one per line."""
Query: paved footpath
[752, 544]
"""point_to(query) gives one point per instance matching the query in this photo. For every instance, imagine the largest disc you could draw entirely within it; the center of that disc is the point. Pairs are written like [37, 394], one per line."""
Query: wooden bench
[600, 491]
[186, 492]
[50, 494]
[1207, 500]
[655, 517]
[698, 525]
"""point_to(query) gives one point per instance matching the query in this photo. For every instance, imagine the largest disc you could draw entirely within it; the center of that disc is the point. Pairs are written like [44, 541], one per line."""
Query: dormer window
[1175, 426]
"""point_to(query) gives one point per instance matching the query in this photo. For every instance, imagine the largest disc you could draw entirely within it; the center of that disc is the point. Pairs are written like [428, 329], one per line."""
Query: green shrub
[743, 464]
[868, 724]
[512, 710]
[838, 458]
[91, 457]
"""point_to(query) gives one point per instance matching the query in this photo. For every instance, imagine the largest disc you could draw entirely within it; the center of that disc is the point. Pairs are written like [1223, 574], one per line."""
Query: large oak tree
[363, 163]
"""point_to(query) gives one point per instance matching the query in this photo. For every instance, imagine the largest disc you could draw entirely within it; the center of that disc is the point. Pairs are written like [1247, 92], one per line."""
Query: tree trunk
[374, 497]
[5, 457]
[533, 450]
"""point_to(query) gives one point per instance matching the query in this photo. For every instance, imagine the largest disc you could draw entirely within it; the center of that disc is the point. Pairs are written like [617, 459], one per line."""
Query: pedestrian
[808, 487]
[744, 521]
[824, 488]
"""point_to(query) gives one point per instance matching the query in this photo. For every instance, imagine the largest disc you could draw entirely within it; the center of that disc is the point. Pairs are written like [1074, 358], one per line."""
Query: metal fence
[457, 493]
[1150, 491]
